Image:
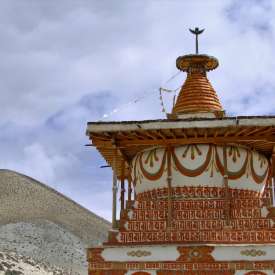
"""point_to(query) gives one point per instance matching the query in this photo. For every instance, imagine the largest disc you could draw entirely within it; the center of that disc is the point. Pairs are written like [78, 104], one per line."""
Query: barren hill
[38, 222]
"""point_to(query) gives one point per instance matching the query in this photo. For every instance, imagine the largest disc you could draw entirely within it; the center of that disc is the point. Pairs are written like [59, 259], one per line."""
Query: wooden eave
[125, 139]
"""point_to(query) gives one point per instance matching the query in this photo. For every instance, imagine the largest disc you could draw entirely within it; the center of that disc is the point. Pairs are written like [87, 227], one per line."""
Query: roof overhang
[119, 142]
[114, 126]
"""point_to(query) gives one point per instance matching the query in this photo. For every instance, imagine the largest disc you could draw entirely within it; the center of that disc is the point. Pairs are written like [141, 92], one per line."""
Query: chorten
[199, 187]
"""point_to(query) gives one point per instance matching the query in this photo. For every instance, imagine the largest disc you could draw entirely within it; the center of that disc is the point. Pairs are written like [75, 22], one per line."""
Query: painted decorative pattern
[207, 236]
[253, 252]
[195, 254]
[238, 204]
[196, 192]
[139, 253]
[214, 267]
[200, 166]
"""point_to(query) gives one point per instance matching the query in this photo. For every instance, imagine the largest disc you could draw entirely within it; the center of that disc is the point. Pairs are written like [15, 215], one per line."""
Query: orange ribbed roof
[197, 94]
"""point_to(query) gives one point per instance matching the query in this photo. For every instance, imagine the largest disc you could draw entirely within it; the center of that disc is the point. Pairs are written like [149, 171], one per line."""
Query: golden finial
[196, 31]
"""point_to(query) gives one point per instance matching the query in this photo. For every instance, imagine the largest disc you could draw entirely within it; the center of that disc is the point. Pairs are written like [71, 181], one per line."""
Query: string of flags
[138, 99]
[161, 97]
[126, 105]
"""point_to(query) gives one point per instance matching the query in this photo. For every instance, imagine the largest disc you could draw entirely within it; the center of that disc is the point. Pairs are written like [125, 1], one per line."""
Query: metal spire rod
[196, 31]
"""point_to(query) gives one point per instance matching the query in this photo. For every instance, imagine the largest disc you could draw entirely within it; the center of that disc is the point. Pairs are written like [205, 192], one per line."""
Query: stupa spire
[197, 97]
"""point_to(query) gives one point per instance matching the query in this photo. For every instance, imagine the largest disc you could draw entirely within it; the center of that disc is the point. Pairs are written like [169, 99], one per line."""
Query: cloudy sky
[63, 63]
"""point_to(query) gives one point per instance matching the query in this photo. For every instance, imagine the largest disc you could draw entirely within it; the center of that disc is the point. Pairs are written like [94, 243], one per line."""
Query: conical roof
[197, 94]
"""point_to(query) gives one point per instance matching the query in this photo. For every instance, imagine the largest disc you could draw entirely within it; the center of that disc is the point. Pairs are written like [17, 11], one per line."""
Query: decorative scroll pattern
[198, 220]
[139, 253]
[196, 192]
[196, 268]
[197, 214]
[152, 164]
[253, 252]
[198, 224]
[238, 204]
[230, 236]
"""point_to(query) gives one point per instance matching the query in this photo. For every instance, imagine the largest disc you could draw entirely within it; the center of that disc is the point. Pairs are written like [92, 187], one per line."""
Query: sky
[64, 63]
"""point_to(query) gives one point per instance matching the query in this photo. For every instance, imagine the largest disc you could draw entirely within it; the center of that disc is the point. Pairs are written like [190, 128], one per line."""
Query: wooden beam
[268, 130]
[184, 134]
[126, 136]
[114, 223]
[129, 189]
[119, 151]
[153, 133]
[109, 134]
[113, 154]
[227, 133]
[100, 137]
[137, 135]
[216, 133]
[241, 132]
[257, 129]
[146, 133]
[122, 185]
[191, 140]
[172, 133]
[160, 134]
[213, 140]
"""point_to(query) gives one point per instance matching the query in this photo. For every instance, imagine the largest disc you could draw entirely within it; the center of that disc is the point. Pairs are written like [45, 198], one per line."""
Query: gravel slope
[14, 264]
[45, 242]
[40, 225]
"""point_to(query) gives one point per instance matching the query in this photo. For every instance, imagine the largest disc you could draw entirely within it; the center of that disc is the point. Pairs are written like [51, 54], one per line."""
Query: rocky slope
[45, 242]
[41, 226]
[14, 264]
